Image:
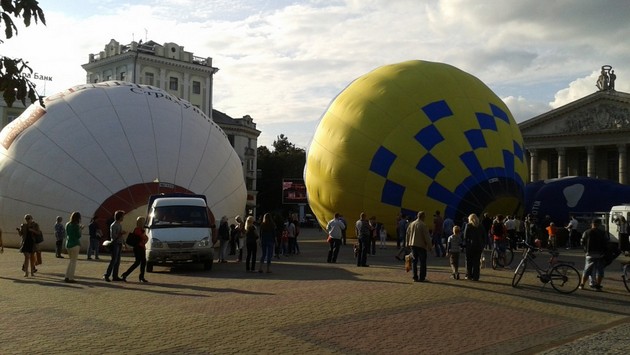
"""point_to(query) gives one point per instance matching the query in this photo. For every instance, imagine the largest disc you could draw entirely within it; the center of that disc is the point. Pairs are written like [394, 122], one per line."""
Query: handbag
[407, 262]
[133, 239]
[39, 238]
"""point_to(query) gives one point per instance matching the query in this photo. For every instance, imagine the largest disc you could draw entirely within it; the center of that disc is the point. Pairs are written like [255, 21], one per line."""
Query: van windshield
[179, 216]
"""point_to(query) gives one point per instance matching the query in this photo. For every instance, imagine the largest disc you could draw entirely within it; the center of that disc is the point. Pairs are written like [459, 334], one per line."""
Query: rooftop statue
[606, 80]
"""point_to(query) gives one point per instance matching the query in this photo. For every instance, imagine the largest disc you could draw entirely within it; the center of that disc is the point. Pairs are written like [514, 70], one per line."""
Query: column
[622, 163]
[590, 161]
[562, 168]
[533, 163]
[208, 98]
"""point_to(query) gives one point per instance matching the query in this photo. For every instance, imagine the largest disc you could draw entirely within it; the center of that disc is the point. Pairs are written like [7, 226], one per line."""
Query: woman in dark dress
[251, 241]
[27, 232]
[475, 241]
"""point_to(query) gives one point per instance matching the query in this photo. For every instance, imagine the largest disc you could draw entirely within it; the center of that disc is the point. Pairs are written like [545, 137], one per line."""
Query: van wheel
[207, 265]
[149, 267]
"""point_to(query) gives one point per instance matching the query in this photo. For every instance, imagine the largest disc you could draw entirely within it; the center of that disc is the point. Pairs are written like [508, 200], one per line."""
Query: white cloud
[523, 109]
[282, 61]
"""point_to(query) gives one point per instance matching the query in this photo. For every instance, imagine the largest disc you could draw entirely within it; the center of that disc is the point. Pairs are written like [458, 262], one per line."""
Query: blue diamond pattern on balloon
[472, 163]
[442, 194]
[382, 161]
[437, 110]
[518, 151]
[497, 112]
[475, 138]
[429, 137]
[429, 165]
[508, 162]
[486, 121]
[392, 193]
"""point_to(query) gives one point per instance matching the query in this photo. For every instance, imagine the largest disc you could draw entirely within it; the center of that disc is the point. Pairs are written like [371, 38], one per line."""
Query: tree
[13, 83]
[286, 161]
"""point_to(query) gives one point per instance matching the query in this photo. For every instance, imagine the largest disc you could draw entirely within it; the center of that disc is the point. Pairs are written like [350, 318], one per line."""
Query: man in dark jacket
[594, 241]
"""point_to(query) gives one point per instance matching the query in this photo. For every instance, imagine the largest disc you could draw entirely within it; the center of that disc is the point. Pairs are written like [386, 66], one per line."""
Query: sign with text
[293, 191]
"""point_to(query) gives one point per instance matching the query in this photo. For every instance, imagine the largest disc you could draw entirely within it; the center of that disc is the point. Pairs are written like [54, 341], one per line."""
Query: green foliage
[13, 83]
[285, 162]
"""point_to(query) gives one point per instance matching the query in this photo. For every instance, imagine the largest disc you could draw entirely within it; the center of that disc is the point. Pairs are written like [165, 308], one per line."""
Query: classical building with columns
[587, 137]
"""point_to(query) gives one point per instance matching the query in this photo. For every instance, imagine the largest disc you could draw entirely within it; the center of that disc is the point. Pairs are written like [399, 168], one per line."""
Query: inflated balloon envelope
[415, 136]
[97, 148]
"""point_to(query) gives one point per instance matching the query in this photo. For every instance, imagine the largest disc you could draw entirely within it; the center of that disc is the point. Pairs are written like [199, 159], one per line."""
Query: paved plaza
[305, 306]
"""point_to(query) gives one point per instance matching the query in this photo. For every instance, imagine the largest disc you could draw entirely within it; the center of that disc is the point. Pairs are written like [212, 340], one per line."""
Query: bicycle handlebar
[534, 248]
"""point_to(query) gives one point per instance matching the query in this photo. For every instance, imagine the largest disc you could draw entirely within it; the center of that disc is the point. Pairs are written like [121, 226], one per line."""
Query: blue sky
[282, 62]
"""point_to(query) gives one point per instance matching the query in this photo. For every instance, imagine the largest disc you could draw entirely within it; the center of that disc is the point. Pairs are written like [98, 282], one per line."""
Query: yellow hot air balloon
[415, 136]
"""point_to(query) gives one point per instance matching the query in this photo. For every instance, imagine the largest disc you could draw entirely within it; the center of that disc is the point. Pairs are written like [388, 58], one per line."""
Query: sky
[282, 62]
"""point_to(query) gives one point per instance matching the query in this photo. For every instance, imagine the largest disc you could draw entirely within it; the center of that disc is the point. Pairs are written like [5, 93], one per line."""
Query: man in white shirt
[335, 230]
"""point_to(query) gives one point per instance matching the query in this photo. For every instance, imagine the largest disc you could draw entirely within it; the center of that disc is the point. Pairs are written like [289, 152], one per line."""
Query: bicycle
[625, 273]
[496, 260]
[563, 277]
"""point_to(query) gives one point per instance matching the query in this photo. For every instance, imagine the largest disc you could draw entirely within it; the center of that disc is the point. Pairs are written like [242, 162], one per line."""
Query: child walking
[453, 249]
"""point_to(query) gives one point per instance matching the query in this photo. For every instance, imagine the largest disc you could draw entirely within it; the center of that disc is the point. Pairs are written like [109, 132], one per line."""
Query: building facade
[8, 114]
[243, 136]
[587, 137]
[168, 67]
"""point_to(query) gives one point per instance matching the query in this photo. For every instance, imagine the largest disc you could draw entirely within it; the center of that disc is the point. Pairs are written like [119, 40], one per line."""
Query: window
[249, 184]
[149, 78]
[123, 75]
[172, 84]
[196, 89]
[10, 118]
[108, 77]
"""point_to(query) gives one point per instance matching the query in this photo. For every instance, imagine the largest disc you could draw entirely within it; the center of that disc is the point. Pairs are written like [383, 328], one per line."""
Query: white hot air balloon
[97, 148]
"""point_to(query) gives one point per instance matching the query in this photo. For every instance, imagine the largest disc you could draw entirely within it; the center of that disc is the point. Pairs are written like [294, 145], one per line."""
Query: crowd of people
[276, 237]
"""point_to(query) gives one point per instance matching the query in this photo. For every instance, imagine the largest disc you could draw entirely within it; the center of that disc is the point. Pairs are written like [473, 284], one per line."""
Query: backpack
[497, 229]
[133, 239]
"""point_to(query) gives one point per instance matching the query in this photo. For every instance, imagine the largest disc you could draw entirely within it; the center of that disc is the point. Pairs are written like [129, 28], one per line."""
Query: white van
[180, 230]
[613, 218]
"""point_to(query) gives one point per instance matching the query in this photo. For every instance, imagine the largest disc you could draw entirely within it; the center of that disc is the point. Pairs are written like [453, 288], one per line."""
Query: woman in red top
[139, 251]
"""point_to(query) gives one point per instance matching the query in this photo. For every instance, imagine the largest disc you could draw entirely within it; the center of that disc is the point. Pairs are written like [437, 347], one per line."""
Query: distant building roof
[221, 118]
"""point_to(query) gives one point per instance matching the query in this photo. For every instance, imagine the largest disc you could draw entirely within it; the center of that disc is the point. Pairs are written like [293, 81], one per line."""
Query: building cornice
[609, 96]
[143, 58]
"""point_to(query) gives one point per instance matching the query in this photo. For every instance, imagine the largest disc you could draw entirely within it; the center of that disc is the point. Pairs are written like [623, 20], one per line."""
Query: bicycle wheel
[626, 276]
[518, 273]
[509, 257]
[494, 257]
[564, 278]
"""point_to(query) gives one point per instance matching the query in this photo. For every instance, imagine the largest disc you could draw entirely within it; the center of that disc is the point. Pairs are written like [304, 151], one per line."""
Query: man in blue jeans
[362, 228]
[419, 240]
[116, 235]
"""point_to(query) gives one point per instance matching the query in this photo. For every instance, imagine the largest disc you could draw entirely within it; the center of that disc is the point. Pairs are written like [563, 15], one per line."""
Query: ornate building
[587, 137]
[168, 67]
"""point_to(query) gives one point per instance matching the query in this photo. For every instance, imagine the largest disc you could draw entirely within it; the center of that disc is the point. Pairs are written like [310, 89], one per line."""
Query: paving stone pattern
[304, 306]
